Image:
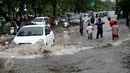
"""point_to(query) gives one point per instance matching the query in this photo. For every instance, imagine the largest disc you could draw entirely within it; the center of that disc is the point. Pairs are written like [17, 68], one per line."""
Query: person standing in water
[81, 26]
[99, 28]
[89, 31]
[115, 31]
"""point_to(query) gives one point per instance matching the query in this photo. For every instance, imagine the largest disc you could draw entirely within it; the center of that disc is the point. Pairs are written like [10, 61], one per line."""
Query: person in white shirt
[89, 31]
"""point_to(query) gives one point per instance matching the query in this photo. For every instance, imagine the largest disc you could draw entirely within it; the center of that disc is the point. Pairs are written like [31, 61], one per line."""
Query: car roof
[34, 26]
[42, 17]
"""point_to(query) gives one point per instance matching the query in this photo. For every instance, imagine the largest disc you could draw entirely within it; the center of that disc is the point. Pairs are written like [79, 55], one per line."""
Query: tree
[125, 6]
[44, 7]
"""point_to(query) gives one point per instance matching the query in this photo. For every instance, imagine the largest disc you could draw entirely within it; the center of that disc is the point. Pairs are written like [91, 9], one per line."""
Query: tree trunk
[10, 7]
[34, 9]
[54, 11]
[39, 8]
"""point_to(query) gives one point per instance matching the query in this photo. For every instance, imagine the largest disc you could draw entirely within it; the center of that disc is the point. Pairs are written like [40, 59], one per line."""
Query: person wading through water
[99, 28]
[81, 26]
[115, 31]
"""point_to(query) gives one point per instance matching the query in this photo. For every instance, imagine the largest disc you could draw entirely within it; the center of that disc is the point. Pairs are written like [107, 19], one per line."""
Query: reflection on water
[126, 59]
[66, 69]
[66, 35]
[126, 62]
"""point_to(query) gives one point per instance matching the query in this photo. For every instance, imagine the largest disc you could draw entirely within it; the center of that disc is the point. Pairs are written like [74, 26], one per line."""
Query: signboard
[93, 4]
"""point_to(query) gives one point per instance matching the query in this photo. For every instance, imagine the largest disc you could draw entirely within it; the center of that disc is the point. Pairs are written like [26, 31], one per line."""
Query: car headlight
[41, 41]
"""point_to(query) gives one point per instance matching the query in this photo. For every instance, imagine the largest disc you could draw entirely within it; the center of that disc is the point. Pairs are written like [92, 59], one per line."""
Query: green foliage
[107, 5]
[124, 5]
[44, 7]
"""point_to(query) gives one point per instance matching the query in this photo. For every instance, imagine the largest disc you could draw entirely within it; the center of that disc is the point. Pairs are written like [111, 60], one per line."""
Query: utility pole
[116, 6]
[54, 7]
[10, 7]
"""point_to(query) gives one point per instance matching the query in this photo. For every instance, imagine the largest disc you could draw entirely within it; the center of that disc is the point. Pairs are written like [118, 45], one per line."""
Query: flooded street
[112, 59]
[69, 40]
[73, 53]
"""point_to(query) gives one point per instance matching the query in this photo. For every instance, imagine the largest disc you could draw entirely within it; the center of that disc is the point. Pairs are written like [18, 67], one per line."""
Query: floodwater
[112, 59]
[69, 41]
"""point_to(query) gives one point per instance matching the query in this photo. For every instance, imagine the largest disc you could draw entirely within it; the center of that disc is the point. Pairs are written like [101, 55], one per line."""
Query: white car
[34, 34]
[40, 20]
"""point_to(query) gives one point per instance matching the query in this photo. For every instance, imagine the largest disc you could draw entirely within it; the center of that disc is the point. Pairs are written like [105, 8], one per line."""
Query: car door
[49, 35]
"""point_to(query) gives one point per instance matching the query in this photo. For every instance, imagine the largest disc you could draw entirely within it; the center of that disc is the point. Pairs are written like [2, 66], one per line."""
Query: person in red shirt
[50, 22]
[111, 21]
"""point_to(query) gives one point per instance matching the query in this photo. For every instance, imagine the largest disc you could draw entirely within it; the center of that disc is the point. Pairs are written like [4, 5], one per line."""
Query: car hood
[27, 39]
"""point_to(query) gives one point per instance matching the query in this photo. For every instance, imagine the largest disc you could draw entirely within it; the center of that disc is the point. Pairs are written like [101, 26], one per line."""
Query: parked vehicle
[102, 14]
[63, 18]
[34, 34]
[69, 14]
[40, 20]
[105, 13]
[74, 20]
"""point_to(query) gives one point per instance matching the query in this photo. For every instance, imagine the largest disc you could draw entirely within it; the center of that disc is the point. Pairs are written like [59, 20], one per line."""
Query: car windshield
[46, 19]
[38, 20]
[63, 16]
[74, 19]
[31, 31]
[76, 16]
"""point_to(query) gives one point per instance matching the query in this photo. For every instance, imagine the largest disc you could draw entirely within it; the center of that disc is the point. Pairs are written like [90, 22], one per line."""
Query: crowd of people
[89, 29]
[99, 24]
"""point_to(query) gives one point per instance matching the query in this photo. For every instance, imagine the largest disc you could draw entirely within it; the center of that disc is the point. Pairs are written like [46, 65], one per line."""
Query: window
[47, 30]
[31, 31]
[38, 20]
